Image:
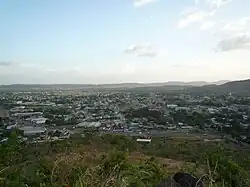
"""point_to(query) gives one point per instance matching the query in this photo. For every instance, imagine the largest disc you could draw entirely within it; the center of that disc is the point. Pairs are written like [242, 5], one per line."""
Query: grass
[117, 171]
[120, 162]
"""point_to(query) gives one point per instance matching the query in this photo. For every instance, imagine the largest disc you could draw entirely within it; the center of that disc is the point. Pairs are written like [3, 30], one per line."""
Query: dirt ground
[89, 155]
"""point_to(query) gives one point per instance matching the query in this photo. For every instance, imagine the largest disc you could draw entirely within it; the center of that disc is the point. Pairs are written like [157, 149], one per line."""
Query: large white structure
[28, 114]
[143, 140]
[89, 124]
[30, 130]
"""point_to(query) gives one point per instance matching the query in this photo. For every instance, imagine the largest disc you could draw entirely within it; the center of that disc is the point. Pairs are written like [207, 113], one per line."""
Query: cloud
[234, 27]
[218, 3]
[139, 3]
[207, 25]
[197, 15]
[186, 66]
[5, 63]
[213, 3]
[193, 16]
[144, 49]
[241, 41]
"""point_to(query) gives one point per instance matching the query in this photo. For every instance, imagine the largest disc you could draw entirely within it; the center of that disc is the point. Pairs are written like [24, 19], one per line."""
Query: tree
[10, 152]
[1, 122]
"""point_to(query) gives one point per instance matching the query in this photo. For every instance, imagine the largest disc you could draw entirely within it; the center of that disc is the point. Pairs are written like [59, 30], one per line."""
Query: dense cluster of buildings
[56, 115]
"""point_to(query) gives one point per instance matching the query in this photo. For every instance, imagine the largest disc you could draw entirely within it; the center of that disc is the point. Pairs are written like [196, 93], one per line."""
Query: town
[43, 116]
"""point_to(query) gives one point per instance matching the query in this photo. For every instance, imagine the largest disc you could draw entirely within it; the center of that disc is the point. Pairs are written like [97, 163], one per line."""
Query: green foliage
[146, 113]
[10, 152]
[122, 143]
[226, 171]
[63, 163]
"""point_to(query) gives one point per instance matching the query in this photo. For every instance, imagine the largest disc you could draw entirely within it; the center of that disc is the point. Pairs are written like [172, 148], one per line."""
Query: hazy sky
[114, 41]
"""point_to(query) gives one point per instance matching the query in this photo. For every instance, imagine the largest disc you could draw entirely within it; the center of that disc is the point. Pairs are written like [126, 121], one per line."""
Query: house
[172, 127]
[4, 140]
[172, 106]
[245, 126]
[11, 126]
[38, 120]
[212, 110]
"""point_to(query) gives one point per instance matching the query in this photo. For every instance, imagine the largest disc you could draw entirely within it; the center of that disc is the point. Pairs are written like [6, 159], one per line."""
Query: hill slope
[242, 86]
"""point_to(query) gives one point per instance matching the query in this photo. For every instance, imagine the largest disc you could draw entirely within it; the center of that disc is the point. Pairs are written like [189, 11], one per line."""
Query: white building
[187, 127]
[11, 126]
[17, 109]
[172, 106]
[30, 130]
[89, 124]
[143, 140]
[39, 120]
[28, 114]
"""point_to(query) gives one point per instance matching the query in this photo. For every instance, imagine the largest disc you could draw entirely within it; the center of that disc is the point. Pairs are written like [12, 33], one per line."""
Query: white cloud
[234, 27]
[237, 42]
[218, 3]
[207, 25]
[197, 15]
[139, 3]
[189, 17]
[162, 52]
[213, 3]
[144, 49]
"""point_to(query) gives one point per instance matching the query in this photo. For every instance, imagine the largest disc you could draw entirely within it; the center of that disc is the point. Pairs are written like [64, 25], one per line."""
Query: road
[169, 134]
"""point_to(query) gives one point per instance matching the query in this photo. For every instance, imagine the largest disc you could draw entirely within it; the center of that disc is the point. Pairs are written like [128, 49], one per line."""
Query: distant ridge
[194, 86]
[241, 86]
[120, 85]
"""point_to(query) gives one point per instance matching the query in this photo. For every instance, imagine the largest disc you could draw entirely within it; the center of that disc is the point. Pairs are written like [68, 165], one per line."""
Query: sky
[121, 41]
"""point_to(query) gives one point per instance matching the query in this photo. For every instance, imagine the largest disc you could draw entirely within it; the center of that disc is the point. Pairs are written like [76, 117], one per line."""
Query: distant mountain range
[229, 87]
[121, 85]
[195, 86]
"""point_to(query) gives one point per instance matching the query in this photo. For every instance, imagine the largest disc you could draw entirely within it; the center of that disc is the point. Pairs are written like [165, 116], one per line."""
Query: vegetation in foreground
[118, 161]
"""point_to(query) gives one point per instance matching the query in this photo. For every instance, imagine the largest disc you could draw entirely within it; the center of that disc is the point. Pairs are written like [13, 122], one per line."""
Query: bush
[50, 164]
